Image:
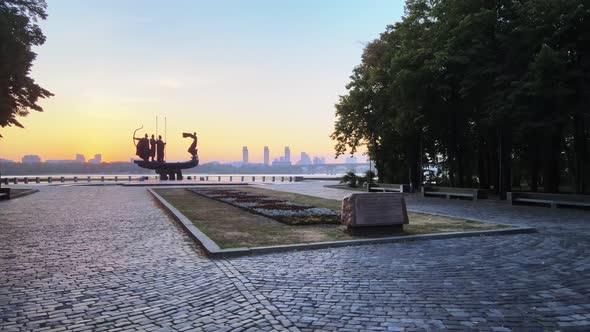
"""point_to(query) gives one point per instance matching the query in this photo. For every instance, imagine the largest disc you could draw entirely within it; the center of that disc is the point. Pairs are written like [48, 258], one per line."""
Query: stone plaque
[374, 209]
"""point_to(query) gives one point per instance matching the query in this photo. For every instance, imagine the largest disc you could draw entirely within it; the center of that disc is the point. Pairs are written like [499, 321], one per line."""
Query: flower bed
[277, 209]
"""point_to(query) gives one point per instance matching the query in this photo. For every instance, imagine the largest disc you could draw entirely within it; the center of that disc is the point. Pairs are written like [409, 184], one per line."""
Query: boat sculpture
[166, 170]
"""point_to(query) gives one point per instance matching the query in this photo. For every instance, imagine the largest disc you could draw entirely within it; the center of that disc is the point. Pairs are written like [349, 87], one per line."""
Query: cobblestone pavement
[107, 258]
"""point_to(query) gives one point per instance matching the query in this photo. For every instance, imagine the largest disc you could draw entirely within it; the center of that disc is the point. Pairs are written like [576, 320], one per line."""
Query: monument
[167, 171]
[374, 211]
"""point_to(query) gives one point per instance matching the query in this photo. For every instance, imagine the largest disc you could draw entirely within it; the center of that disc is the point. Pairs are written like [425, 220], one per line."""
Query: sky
[239, 73]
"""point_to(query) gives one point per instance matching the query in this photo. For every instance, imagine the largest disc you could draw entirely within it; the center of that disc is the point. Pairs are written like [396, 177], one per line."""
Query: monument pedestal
[374, 212]
[168, 171]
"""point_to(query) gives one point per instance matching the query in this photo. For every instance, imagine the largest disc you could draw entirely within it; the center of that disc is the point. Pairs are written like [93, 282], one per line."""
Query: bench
[449, 192]
[553, 200]
[390, 187]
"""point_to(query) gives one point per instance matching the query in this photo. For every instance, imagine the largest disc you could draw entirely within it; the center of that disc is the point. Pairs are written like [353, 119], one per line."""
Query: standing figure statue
[152, 147]
[160, 145]
[193, 148]
[143, 147]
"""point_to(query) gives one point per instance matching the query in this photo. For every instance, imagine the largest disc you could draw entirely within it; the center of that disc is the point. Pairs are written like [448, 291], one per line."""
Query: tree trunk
[412, 162]
[493, 161]
[505, 161]
[452, 155]
[580, 154]
[482, 165]
[460, 170]
[551, 163]
[534, 169]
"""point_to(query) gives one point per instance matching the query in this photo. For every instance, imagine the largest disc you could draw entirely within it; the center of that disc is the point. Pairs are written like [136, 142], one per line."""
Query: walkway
[107, 258]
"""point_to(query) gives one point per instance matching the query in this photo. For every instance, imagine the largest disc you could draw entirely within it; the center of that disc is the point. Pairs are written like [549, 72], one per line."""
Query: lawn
[231, 226]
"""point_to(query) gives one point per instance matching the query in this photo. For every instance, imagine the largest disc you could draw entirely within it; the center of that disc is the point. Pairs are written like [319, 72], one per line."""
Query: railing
[115, 179]
[63, 179]
[242, 178]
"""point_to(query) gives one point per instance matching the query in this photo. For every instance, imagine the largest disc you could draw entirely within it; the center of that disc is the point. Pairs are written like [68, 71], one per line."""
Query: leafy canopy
[19, 32]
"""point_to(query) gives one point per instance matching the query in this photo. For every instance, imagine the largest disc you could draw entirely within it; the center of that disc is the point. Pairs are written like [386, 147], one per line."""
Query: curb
[210, 246]
[22, 194]
[214, 251]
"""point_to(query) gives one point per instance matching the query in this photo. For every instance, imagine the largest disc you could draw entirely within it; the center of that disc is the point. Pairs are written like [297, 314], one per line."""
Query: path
[107, 258]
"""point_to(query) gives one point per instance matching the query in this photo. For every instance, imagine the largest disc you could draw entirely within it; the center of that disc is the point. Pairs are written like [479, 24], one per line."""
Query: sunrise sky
[254, 73]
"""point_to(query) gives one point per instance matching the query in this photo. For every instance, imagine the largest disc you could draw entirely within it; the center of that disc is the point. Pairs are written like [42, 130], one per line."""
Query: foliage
[19, 32]
[368, 177]
[491, 94]
[350, 178]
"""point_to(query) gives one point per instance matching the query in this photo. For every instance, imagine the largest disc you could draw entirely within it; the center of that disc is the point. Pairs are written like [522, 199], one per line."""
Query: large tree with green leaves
[492, 93]
[19, 32]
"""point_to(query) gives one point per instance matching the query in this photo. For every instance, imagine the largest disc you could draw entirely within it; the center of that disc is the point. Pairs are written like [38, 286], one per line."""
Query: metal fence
[115, 179]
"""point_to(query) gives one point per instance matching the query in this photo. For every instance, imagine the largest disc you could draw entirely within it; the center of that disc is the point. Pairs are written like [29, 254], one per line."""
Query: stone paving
[107, 258]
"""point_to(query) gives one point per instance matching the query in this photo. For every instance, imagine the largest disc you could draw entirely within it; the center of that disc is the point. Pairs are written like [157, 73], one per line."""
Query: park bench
[553, 200]
[390, 187]
[449, 192]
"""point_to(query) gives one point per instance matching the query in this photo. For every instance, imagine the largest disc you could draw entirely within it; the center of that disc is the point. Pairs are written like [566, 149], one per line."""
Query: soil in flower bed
[230, 226]
[247, 200]
[280, 210]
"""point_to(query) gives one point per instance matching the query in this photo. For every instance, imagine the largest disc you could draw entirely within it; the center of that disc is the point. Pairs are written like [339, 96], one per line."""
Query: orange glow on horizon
[53, 134]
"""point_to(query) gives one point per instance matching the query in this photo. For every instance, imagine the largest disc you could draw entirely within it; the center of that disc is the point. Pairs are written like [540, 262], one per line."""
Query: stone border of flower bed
[214, 251]
[22, 193]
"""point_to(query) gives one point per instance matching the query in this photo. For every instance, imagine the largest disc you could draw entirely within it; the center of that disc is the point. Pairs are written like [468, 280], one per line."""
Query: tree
[490, 93]
[19, 32]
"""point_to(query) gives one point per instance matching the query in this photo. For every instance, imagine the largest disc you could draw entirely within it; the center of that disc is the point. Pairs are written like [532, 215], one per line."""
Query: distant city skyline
[79, 159]
[239, 73]
[304, 156]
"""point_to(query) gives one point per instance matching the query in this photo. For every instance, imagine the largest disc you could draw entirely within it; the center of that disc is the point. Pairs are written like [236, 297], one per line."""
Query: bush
[351, 179]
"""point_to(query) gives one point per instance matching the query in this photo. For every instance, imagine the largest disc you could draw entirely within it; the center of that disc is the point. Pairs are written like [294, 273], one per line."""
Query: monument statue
[149, 148]
[142, 148]
[153, 147]
[193, 148]
[160, 145]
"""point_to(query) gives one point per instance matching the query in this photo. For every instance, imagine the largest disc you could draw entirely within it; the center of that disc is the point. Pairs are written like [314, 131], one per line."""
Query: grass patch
[232, 227]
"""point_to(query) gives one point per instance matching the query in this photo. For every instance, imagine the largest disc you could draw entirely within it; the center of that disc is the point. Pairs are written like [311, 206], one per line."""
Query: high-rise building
[80, 158]
[266, 156]
[287, 154]
[319, 160]
[30, 159]
[245, 154]
[305, 159]
[97, 159]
